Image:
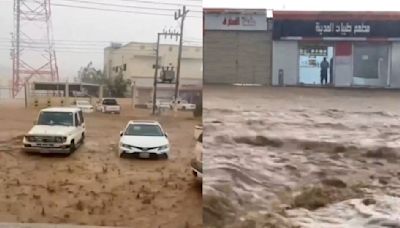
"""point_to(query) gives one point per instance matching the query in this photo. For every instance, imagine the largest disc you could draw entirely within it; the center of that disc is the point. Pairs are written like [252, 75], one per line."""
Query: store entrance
[311, 57]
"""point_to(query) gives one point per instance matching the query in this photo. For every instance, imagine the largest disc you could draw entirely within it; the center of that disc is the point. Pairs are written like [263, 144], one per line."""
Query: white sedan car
[144, 139]
[85, 106]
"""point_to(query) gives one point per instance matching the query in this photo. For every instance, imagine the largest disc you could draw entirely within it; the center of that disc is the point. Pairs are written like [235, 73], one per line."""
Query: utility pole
[157, 65]
[16, 57]
[180, 14]
[155, 75]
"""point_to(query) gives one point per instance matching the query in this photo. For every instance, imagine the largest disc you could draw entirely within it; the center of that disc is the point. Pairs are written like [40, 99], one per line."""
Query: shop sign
[344, 29]
[359, 29]
[235, 21]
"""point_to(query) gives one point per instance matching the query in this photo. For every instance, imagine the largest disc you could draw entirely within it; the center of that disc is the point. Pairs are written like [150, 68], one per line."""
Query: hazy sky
[367, 5]
[82, 34]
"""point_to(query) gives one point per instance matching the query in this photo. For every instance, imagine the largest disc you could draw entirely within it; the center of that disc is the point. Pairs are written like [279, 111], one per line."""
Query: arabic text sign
[342, 28]
[235, 22]
[369, 29]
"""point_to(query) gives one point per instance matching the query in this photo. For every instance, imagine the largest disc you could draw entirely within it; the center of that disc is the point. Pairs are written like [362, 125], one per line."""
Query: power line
[160, 3]
[88, 46]
[102, 44]
[124, 6]
[115, 10]
[142, 1]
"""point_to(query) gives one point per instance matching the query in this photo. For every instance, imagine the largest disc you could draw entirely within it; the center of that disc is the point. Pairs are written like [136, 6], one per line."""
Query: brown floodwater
[267, 148]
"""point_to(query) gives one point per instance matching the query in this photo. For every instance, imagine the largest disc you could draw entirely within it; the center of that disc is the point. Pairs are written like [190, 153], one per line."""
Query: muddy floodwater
[94, 186]
[301, 157]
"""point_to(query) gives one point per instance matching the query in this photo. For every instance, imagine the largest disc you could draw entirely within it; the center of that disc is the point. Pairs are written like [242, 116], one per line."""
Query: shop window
[370, 62]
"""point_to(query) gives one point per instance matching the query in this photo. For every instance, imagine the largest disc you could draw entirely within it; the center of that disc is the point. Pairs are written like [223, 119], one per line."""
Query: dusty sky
[358, 5]
[93, 30]
[81, 34]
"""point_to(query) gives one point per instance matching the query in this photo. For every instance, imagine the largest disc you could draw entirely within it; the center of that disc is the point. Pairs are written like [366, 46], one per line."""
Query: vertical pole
[155, 76]
[26, 94]
[67, 93]
[16, 79]
[133, 94]
[178, 67]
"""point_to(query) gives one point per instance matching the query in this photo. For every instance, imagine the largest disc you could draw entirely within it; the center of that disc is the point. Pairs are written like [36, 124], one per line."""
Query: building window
[171, 48]
[124, 67]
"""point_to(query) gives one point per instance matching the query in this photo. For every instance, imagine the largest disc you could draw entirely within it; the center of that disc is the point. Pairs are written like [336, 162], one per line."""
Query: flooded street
[297, 157]
[94, 186]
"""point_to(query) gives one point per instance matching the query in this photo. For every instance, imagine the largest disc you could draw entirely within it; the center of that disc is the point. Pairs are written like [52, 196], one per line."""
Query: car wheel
[183, 108]
[164, 156]
[83, 138]
[72, 147]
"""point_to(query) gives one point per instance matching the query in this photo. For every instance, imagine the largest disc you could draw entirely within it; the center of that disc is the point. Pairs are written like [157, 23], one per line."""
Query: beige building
[139, 58]
[136, 62]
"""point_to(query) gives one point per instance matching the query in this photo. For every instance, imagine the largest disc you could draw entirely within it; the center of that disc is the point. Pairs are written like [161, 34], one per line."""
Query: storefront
[361, 48]
[237, 47]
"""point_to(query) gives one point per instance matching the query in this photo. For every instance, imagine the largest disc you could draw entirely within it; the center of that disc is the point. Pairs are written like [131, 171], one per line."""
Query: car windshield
[143, 130]
[110, 102]
[56, 118]
[82, 102]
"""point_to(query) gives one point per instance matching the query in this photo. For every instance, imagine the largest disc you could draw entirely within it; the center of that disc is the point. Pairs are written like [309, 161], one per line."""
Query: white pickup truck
[182, 105]
[57, 130]
[108, 105]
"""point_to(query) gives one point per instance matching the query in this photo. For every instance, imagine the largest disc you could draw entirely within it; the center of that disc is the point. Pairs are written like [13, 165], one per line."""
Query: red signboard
[343, 49]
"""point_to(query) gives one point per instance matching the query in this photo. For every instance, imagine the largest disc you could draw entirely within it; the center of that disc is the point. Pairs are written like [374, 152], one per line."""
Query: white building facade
[136, 62]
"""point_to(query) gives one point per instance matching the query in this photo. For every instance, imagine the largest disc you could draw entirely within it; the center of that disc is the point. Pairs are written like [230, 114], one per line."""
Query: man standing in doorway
[324, 71]
[331, 71]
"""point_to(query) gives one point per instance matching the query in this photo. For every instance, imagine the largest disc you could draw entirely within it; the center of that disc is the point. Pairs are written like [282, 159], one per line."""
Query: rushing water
[264, 148]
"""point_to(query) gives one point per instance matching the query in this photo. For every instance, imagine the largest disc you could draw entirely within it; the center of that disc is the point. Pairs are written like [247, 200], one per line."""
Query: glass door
[310, 59]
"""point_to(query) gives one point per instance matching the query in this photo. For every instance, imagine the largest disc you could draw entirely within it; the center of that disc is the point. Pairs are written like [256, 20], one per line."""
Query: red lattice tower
[33, 51]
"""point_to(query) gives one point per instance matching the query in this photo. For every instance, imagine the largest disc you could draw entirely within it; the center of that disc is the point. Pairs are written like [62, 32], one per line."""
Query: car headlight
[30, 138]
[60, 139]
[163, 147]
[126, 146]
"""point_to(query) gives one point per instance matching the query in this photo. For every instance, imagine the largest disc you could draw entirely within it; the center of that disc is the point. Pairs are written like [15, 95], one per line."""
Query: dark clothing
[324, 77]
[331, 71]
[324, 72]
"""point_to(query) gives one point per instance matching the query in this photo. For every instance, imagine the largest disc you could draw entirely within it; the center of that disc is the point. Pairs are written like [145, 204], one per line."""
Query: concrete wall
[343, 71]
[285, 56]
[148, 81]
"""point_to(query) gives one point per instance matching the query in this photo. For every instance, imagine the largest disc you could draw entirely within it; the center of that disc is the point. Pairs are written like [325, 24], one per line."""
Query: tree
[89, 74]
[115, 87]
[118, 86]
